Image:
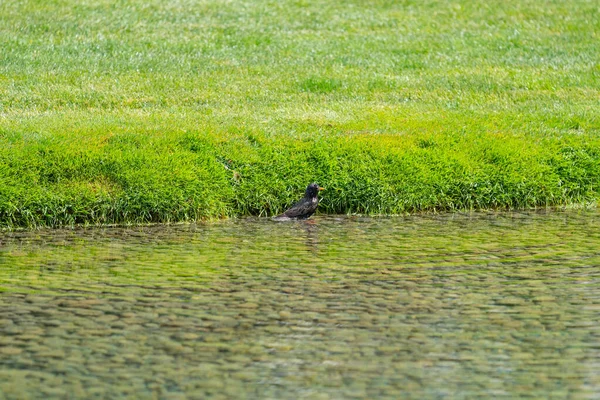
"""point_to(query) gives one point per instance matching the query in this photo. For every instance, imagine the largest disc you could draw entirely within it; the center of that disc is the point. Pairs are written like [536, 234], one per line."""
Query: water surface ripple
[480, 305]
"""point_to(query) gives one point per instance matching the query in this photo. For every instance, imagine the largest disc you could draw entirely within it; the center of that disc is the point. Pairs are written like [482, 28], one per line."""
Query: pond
[473, 305]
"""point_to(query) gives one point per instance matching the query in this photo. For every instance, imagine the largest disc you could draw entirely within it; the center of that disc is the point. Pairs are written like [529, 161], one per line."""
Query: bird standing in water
[305, 207]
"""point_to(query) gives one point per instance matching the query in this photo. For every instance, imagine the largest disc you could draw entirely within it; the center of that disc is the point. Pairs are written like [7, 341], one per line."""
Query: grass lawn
[155, 111]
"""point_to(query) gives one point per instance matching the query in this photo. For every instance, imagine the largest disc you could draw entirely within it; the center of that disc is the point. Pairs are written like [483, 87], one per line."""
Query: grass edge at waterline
[197, 176]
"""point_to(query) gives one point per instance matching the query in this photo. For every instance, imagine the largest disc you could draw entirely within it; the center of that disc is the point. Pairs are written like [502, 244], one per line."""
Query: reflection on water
[464, 306]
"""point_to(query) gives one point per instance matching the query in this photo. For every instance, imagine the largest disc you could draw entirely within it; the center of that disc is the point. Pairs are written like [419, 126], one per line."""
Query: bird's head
[312, 190]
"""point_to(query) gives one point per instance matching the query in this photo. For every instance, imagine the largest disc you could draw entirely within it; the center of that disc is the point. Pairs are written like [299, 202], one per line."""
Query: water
[482, 305]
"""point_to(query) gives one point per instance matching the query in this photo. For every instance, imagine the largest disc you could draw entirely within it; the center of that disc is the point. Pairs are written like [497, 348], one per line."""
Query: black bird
[305, 207]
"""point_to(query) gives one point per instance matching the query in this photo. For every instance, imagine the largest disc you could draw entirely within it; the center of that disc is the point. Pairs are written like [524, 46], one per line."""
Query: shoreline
[318, 216]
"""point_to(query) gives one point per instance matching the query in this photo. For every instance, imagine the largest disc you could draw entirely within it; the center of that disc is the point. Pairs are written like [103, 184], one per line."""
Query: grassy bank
[139, 111]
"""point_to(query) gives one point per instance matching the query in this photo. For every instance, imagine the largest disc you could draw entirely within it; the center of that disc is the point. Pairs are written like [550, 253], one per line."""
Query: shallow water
[499, 305]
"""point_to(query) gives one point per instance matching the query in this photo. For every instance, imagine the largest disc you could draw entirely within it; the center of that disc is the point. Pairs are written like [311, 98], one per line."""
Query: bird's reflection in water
[311, 229]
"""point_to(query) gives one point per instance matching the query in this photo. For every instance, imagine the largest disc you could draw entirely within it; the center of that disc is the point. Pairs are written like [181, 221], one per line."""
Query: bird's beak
[321, 188]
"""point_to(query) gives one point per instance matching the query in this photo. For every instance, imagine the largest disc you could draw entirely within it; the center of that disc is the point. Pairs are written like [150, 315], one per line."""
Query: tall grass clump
[145, 111]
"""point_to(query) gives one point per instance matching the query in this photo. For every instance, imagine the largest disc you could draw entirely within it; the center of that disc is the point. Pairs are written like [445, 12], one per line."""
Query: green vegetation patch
[143, 111]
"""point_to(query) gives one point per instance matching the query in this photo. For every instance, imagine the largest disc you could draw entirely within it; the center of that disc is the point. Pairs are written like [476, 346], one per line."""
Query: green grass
[151, 111]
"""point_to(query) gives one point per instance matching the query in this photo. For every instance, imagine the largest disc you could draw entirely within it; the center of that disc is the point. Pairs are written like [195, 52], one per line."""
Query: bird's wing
[302, 207]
